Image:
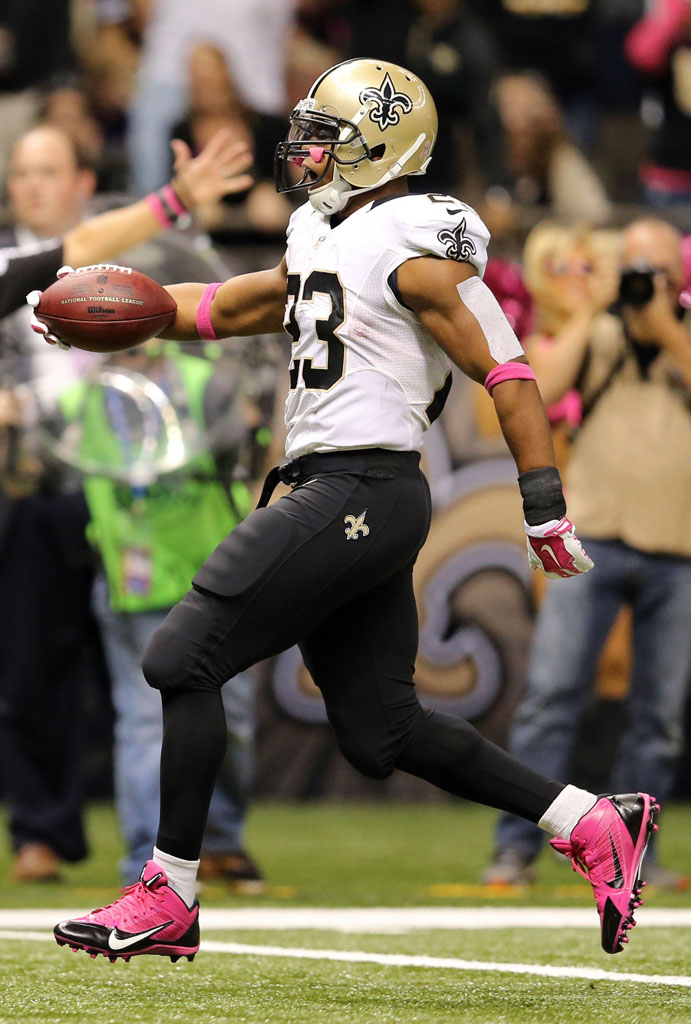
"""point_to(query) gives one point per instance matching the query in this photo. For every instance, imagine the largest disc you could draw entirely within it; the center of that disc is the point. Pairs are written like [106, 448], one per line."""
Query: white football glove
[555, 550]
[33, 299]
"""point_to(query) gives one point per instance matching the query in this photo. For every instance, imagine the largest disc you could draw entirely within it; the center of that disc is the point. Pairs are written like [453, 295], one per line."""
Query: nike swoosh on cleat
[550, 552]
[618, 880]
[116, 942]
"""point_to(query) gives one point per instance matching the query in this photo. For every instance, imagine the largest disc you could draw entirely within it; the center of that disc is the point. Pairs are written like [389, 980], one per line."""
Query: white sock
[566, 811]
[182, 874]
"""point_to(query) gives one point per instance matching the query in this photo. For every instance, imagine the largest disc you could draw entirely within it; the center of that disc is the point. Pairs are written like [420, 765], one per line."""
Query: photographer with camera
[629, 486]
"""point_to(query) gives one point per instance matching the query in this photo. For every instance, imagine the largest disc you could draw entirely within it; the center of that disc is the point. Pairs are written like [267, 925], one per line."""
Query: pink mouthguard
[316, 153]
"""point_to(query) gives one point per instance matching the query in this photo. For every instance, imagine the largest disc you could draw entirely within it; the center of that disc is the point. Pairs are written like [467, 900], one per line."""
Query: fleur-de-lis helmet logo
[459, 246]
[388, 104]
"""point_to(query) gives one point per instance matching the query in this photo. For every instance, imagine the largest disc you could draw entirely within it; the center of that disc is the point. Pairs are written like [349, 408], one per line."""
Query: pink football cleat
[148, 918]
[607, 847]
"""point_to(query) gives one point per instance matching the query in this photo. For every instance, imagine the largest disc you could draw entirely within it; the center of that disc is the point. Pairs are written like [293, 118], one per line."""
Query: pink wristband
[508, 371]
[205, 328]
[156, 206]
[171, 197]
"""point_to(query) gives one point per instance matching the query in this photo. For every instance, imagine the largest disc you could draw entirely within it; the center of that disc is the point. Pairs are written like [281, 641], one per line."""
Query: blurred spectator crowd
[564, 105]
[573, 115]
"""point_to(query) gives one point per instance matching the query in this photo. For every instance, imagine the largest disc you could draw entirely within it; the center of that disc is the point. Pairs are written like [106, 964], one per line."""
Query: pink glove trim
[203, 317]
[173, 200]
[508, 371]
[563, 526]
[154, 203]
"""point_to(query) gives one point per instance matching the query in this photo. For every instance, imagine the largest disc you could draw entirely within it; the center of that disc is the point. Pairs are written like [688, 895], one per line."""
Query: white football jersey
[364, 372]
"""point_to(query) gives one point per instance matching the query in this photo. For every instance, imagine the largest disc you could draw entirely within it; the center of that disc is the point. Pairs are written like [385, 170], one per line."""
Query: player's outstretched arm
[244, 305]
[215, 172]
[466, 321]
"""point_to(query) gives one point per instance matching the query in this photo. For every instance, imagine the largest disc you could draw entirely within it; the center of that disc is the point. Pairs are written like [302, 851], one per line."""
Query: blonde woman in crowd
[571, 274]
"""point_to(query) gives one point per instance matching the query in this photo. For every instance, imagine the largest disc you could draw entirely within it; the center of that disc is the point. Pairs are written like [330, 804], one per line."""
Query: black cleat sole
[125, 957]
[636, 900]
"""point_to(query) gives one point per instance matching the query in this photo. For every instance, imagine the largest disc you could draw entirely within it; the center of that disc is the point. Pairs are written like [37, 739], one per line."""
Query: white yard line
[401, 960]
[379, 920]
[15, 933]
[444, 963]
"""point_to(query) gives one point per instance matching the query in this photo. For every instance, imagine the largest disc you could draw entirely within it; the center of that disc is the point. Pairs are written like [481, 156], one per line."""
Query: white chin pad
[501, 339]
[330, 198]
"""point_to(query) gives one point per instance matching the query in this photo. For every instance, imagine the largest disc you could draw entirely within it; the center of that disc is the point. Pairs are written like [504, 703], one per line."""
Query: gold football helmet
[374, 120]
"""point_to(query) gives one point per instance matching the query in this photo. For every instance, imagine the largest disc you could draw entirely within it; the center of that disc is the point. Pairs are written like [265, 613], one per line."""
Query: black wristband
[175, 210]
[543, 498]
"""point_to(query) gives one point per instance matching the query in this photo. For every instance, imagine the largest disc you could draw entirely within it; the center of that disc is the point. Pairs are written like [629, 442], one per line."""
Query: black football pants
[329, 566]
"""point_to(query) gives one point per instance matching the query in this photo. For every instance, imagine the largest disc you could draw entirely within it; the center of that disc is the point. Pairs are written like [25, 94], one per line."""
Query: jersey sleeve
[439, 225]
[24, 268]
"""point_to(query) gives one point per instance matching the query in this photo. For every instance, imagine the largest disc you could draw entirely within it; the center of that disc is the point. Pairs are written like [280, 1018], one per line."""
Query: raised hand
[215, 172]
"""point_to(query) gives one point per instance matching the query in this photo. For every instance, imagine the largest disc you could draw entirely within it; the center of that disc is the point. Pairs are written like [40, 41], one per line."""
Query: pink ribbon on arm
[508, 371]
[205, 327]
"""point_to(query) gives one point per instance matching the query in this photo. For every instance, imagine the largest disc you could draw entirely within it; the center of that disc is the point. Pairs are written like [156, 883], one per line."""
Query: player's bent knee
[158, 663]
[370, 761]
[165, 663]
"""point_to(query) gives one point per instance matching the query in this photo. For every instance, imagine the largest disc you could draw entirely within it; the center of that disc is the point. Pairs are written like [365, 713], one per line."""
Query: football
[106, 308]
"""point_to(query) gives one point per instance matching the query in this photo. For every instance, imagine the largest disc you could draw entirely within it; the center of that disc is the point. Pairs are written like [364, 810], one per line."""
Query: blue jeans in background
[572, 625]
[155, 110]
[138, 734]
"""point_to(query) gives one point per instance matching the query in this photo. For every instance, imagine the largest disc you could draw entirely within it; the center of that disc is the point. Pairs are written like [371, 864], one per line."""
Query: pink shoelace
[134, 896]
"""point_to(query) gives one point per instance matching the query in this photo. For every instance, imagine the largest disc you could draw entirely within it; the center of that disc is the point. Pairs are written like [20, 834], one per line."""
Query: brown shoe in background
[35, 862]
[508, 867]
[236, 869]
[662, 878]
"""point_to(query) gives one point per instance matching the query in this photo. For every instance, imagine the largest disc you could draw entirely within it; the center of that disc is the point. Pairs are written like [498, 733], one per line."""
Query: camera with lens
[637, 285]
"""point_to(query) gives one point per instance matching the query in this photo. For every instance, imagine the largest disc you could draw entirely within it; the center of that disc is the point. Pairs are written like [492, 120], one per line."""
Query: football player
[380, 291]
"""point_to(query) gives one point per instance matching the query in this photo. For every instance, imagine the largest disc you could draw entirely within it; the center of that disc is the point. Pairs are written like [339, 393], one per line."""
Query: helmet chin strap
[331, 197]
[334, 195]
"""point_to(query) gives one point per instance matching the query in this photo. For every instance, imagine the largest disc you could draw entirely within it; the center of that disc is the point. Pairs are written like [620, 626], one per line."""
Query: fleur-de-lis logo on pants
[459, 246]
[387, 102]
[356, 525]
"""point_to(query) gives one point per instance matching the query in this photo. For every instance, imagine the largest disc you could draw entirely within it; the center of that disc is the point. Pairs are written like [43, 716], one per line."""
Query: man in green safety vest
[157, 438]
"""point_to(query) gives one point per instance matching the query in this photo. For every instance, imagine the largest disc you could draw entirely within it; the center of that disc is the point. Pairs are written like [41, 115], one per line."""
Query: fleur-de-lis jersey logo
[356, 525]
[387, 102]
[459, 246]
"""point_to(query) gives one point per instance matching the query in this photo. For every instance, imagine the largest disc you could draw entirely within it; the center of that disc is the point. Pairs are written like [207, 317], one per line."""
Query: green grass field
[374, 856]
